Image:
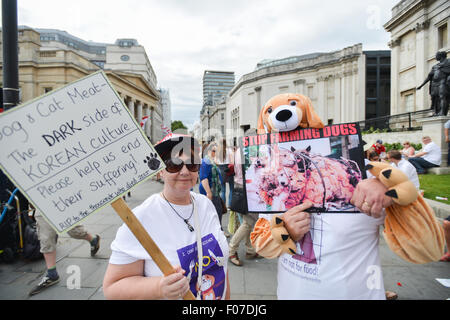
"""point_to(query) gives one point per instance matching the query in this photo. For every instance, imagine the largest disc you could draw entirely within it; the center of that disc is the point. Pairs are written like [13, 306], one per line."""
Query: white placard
[75, 150]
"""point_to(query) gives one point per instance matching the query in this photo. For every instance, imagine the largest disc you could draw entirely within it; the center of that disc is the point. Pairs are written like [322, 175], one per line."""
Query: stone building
[419, 28]
[42, 69]
[166, 107]
[216, 84]
[335, 82]
[124, 55]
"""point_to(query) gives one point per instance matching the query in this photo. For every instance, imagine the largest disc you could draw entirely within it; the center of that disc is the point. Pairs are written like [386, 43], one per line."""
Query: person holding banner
[334, 255]
[185, 226]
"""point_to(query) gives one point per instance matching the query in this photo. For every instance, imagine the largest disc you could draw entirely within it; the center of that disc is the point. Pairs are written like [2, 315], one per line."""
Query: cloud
[184, 38]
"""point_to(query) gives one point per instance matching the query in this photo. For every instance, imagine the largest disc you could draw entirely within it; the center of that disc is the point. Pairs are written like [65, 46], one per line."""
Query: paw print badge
[152, 161]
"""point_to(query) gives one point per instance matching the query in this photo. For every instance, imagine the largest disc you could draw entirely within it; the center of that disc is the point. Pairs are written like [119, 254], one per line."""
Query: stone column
[423, 100]
[395, 67]
[138, 112]
[147, 124]
[131, 107]
[337, 99]
[434, 127]
[299, 86]
[258, 101]
[321, 106]
[152, 124]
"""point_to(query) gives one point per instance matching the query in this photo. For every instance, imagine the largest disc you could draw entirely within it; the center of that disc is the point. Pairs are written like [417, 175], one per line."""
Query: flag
[144, 120]
[165, 129]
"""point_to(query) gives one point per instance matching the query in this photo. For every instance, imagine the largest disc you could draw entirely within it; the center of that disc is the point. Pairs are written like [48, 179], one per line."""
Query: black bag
[9, 244]
[31, 244]
[239, 200]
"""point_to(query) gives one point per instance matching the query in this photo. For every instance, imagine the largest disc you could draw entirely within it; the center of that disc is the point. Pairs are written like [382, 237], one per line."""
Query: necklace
[190, 227]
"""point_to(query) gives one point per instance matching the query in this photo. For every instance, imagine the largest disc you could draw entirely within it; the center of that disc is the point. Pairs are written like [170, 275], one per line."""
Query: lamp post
[10, 54]
[10, 77]
[207, 113]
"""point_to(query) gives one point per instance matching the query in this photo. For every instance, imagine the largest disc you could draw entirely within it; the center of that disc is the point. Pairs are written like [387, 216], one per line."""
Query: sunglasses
[173, 167]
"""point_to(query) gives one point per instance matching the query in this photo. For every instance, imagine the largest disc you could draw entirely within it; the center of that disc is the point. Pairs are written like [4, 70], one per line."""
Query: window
[408, 101]
[442, 36]
[311, 92]
[48, 89]
[125, 57]
[47, 54]
[222, 116]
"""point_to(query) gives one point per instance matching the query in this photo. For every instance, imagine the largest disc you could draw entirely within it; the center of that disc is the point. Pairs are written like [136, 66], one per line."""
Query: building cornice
[404, 10]
[332, 58]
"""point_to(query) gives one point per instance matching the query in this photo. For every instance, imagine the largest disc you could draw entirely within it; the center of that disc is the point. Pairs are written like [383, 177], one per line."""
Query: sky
[183, 38]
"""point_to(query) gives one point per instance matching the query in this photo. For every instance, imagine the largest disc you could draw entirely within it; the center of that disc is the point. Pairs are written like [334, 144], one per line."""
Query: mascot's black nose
[283, 115]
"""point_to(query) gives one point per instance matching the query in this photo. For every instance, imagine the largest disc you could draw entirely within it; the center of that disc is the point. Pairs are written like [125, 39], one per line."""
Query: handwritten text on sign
[74, 150]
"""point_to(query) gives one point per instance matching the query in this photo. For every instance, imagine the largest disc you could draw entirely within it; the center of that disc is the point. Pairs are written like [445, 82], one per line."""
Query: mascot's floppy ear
[310, 118]
[260, 129]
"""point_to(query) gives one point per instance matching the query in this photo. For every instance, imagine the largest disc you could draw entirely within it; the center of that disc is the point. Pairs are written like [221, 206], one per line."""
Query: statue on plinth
[439, 78]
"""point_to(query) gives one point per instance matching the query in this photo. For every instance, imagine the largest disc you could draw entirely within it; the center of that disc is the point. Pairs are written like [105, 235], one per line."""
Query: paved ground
[255, 280]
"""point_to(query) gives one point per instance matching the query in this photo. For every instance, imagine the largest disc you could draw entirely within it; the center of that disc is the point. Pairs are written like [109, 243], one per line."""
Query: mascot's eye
[293, 103]
[269, 110]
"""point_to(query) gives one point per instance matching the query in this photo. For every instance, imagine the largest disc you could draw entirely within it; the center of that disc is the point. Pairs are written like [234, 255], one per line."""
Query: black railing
[398, 122]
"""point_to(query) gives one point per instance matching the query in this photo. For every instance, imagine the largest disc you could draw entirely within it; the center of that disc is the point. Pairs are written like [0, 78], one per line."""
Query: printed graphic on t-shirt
[309, 247]
[213, 273]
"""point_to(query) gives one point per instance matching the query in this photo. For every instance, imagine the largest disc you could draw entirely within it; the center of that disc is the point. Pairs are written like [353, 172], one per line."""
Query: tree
[177, 124]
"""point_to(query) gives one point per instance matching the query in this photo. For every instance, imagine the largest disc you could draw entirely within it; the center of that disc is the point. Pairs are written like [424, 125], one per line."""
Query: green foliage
[372, 130]
[399, 146]
[177, 124]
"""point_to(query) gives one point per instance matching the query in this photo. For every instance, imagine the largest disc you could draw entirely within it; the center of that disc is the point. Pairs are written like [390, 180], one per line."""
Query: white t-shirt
[177, 243]
[447, 125]
[433, 153]
[337, 260]
[409, 170]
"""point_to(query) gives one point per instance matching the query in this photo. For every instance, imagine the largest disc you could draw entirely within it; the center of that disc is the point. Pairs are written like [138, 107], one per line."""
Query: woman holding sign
[185, 226]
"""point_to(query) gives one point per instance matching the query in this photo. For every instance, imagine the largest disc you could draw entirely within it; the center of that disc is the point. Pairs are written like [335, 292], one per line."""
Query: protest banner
[284, 169]
[76, 150]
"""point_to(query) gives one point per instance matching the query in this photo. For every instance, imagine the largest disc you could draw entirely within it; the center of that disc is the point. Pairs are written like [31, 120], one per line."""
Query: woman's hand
[174, 286]
[370, 198]
[297, 222]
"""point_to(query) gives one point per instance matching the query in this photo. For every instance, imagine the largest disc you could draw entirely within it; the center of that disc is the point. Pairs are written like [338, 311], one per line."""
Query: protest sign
[284, 169]
[75, 150]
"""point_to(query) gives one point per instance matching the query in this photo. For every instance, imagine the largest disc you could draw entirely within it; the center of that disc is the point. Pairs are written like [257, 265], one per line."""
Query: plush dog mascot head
[286, 112]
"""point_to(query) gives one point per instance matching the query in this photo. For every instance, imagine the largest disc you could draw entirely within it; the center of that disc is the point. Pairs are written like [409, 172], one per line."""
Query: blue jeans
[421, 164]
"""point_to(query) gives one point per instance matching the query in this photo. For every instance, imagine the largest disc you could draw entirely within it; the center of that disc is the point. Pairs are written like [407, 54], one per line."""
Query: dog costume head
[286, 112]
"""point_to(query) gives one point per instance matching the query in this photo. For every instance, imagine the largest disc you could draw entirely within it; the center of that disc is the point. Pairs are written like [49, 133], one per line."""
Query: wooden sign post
[76, 150]
[146, 241]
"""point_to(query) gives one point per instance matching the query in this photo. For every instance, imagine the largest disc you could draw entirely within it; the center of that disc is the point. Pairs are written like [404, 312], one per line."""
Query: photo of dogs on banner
[285, 175]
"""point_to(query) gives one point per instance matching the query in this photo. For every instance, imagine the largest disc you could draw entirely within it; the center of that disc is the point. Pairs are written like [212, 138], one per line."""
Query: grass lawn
[435, 185]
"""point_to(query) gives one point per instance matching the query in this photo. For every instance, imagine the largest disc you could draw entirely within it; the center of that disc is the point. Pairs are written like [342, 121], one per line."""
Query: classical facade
[124, 55]
[335, 82]
[419, 28]
[166, 107]
[42, 69]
